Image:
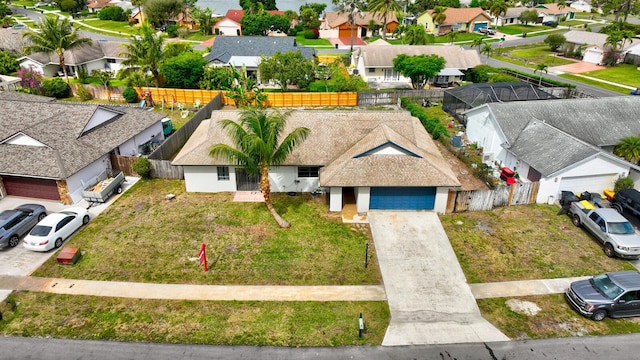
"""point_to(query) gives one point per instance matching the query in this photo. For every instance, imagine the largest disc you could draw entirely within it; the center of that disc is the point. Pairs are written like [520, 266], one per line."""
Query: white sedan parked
[54, 229]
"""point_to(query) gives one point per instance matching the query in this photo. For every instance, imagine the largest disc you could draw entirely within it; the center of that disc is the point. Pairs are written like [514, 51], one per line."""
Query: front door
[246, 182]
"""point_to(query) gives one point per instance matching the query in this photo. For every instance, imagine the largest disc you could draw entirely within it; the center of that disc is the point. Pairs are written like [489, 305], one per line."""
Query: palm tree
[562, 4]
[415, 35]
[451, 36]
[55, 35]
[145, 52]
[438, 15]
[350, 7]
[497, 8]
[384, 8]
[479, 42]
[629, 149]
[258, 146]
[540, 68]
[487, 49]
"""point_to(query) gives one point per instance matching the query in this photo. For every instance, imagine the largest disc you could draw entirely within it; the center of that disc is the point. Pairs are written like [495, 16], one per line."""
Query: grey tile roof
[59, 127]
[11, 40]
[336, 138]
[18, 96]
[224, 47]
[456, 57]
[549, 150]
[593, 38]
[97, 50]
[599, 122]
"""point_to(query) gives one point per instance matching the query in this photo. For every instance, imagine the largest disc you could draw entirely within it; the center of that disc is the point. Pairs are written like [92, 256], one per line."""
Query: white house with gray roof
[52, 150]
[382, 159]
[100, 55]
[563, 144]
[374, 62]
[246, 51]
[593, 45]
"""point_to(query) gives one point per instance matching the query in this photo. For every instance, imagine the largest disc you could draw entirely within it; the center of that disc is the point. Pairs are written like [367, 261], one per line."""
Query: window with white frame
[223, 173]
[308, 171]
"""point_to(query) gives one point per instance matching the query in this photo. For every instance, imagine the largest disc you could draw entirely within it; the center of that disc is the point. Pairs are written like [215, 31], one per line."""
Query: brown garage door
[30, 187]
[345, 33]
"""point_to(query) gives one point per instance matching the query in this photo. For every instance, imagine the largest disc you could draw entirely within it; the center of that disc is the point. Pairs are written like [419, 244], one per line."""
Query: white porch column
[335, 199]
[363, 197]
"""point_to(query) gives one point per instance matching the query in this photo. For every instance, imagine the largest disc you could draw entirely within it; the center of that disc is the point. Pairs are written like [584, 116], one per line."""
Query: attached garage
[592, 183]
[31, 187]
[402, 198]
[592, 55]
[346, 32]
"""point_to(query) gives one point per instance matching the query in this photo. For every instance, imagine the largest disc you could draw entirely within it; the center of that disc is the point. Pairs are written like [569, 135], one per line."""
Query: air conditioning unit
[486, 158]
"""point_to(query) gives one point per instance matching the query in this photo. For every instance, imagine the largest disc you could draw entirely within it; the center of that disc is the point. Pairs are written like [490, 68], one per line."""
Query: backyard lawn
[144, 238]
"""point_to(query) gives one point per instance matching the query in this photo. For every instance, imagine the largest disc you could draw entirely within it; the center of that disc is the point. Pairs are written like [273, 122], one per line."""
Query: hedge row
[433, 126]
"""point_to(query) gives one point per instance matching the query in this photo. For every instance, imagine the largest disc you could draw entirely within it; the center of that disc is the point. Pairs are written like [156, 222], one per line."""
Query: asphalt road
[623, 347]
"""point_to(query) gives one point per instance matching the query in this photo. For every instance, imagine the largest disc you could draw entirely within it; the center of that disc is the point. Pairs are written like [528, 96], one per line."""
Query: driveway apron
[429, 298]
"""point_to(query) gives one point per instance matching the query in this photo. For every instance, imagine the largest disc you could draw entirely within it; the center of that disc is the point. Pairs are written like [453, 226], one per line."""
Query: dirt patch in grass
[555, 319]
[195, 322]
[143, 237]
[524, 242]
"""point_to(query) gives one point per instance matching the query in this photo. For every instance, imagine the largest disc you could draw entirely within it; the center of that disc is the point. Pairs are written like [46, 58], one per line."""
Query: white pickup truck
[615, 232]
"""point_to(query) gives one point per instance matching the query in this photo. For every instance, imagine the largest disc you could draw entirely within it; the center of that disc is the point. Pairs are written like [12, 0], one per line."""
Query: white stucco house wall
[382, 160]
[52, 150]
[559, 143]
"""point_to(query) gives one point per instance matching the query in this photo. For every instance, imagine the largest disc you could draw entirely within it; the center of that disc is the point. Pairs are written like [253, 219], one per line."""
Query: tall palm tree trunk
[64, 67]
[265, 188]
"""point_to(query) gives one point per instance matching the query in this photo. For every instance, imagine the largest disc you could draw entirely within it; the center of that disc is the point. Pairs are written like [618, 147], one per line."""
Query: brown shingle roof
[456, 57]
[554, 9]
[58, 126]
[340, 141]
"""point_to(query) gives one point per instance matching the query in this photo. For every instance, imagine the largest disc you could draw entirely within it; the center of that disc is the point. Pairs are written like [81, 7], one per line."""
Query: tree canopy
[419, 68]
[159, 11]
[290, 68]
[253, 6]
[555, 41]
[260, 24]
[183, 71]
[383, 9]
[145, 52]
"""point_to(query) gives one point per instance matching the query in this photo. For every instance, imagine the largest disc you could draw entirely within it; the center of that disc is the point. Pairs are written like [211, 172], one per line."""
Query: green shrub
[142, 166]
[433, 126]
[56, 87]
[172, 31]
[83, 93]
[83, 75]
[623, 183]
[311, 34]
[130, 95]
[114, 13]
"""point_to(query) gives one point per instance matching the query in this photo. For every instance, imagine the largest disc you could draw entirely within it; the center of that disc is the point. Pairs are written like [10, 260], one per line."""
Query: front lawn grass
[301, 40]
[595, 83]
[524, 242]
[121, 27]
[555, 319]
[624, 74]
[144, 238]
[521, 28]
[531, 55]
[195, 322]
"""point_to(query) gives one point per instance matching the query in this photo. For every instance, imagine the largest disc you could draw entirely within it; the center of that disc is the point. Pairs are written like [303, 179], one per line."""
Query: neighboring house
[592, 45]
[582, 5]
[633, 54]
[96, 5]
[382, 160]
[137, 16]
[246, 51]
[12, 41]
[9, 82]
[101, 55]
[457, 19]
[555, 13]
[374, 62]
[229, 25]
[184, 19]
[563, 144]
[336, 25]
[510, 18]
[52, 150]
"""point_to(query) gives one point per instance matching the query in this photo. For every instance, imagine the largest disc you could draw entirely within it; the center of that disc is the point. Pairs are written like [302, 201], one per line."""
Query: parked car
[626, 200]
[614, 294]
[54, 229]
[17, 222]
[19, 27]
[486, 30]
[613, 230]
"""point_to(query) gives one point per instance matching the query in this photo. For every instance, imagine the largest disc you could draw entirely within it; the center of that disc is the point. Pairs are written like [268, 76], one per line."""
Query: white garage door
[229, 30]
[592, 56]
[592, 184]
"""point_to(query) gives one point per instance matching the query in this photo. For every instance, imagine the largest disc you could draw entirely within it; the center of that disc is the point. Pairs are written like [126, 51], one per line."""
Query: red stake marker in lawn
[202, 254]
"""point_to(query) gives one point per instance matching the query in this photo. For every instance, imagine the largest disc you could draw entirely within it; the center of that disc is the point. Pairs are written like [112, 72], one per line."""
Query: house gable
[22, 139]
[99, 117]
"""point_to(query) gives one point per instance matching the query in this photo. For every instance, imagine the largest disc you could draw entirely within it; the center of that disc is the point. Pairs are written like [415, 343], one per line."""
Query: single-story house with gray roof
[382, 160]
[52, 150]
[246, 51]
[374, 63]
[563, 144]
[100, 55]
[593, 45]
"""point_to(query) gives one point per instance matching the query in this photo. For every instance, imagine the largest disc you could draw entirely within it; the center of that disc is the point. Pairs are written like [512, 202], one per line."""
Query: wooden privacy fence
[161, 168]
[172, 96]
[504, 195]
[297, 99]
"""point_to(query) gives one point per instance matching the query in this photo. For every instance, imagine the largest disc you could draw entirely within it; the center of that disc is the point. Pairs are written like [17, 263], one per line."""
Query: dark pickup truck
[628, 199]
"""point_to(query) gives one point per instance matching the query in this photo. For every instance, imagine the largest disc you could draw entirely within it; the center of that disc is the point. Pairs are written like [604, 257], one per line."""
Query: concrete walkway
[427, 292]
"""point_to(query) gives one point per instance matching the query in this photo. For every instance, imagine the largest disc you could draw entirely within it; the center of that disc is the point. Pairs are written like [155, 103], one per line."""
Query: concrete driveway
[428, 294]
